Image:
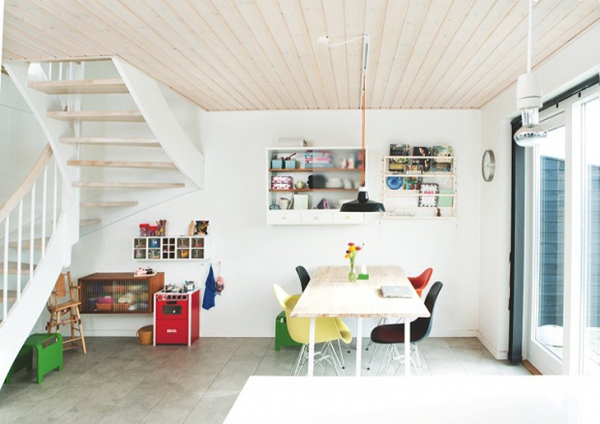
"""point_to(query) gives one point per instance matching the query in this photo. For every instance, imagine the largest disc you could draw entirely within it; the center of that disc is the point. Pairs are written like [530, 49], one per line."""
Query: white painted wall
[574, 64]
[254, 255]
[21, 139]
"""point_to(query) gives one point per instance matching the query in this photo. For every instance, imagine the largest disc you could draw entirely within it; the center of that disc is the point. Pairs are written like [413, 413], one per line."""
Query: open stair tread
[108, 204]
[82, 86]
[12, 295]
[97, 115]
[123, 164]
[89, 222]
[91, 184]
[112, 141]
[12, 268]
[37, 243]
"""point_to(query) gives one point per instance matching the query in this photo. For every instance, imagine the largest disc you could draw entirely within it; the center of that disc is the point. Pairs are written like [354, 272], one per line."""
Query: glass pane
[549, 319]
[591, 266]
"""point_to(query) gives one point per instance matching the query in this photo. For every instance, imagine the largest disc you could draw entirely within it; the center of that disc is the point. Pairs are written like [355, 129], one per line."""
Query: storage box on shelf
[411, 190]
[170, 248]
[306, 186]
[119, 292]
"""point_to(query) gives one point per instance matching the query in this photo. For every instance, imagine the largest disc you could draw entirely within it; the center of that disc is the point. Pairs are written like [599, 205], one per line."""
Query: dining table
[330, 294]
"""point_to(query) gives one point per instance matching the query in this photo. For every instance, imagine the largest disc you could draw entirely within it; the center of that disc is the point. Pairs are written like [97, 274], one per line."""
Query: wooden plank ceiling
[264, 54]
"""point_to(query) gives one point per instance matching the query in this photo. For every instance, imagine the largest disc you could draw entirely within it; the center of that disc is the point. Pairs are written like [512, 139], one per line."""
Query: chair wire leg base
[327, 355]
[394, 359]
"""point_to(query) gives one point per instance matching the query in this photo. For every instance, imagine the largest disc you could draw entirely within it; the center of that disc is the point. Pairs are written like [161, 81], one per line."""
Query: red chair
[420, 282]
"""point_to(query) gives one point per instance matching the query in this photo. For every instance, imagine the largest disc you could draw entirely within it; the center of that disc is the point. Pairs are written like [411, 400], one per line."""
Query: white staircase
[116, 137]
[118, 148]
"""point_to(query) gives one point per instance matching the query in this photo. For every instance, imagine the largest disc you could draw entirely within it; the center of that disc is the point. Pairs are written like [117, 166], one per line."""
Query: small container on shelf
[144, 229]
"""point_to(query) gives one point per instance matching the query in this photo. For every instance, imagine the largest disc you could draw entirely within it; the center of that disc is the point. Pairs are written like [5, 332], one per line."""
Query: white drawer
[284, 217]
[316, 217]
[348, 218]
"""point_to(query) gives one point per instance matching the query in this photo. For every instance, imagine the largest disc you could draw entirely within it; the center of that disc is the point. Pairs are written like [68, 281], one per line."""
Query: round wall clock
[488, 165]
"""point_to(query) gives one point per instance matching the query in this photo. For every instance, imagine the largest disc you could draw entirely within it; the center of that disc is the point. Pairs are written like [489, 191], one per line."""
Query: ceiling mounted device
[362, 202]
[529, 98]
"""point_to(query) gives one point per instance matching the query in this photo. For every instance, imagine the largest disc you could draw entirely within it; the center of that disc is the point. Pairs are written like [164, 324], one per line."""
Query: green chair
[49, 354]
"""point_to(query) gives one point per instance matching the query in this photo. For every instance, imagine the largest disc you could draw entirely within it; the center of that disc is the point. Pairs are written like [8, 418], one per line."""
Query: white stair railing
[40, 221]
[28, 218]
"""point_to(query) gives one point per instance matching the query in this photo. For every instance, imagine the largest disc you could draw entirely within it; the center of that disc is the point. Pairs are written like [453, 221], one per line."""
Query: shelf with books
[314, 180]
[419, 185]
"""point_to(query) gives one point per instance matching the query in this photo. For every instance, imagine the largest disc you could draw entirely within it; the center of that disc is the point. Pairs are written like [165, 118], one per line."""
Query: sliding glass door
[562, 279]
[547, 250]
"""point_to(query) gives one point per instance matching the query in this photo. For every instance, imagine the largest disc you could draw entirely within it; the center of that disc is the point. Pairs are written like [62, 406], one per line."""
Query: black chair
[393, 334]
[303, 275]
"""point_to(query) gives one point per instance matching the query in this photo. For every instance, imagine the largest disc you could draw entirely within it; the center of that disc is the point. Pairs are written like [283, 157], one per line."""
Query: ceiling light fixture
[362, 202]
[529, 99]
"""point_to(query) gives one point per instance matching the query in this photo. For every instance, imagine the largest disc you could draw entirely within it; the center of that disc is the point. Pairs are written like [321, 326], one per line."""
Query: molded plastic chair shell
[420, 282]
[419, 329]
[326, 329]
[303, 275]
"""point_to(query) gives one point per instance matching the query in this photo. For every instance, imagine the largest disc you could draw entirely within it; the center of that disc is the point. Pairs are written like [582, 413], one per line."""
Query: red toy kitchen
[176, 317]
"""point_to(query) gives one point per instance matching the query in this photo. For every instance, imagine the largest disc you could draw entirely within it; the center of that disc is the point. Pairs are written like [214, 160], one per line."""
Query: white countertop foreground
[421, 399]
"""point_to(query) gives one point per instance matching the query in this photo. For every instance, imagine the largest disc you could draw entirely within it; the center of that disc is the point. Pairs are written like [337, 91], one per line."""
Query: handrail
[16, 196]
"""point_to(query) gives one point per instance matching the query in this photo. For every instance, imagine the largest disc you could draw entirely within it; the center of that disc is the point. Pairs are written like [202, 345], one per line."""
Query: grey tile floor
[121, 381]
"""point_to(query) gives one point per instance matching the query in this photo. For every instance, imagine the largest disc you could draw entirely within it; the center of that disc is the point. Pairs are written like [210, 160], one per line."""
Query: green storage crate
[282, 335]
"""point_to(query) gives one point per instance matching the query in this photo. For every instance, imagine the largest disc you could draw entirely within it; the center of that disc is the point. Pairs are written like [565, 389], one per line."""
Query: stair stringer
[26, 311]
[159, 116]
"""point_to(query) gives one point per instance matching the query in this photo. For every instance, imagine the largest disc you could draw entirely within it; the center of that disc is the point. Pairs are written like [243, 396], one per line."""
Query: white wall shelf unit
[162, 248]
[411, 192]
[309, 187]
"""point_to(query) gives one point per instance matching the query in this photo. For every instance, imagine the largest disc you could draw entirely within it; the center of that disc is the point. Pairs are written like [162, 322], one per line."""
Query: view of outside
[551, 241]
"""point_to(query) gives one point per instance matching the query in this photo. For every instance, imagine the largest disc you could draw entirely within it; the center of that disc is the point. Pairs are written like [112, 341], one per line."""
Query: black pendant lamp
[362, 202]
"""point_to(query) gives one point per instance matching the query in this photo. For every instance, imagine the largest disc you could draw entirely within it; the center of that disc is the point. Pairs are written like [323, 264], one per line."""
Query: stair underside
[122, 164]
[126, 185]
[108, 204]
[107, 141]
[97, 115]
[87, 86]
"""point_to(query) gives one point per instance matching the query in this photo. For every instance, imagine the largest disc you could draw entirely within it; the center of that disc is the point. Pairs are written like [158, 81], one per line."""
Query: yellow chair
[63, 306]
[327, 330]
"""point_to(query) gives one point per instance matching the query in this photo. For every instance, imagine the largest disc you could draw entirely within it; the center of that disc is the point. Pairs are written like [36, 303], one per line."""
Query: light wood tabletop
[330, 294]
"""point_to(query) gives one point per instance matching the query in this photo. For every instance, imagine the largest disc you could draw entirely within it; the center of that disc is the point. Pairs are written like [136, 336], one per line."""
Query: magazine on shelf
[428, 197]
[442, 161]
[421, 160]
[399, 164]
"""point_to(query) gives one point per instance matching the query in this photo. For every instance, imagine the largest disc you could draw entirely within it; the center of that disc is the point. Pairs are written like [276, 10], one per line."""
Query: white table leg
[358, 345]
[311, 348]
[407, 346]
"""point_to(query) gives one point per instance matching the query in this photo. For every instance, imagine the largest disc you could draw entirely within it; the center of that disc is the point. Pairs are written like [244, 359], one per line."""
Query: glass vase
[352, 273]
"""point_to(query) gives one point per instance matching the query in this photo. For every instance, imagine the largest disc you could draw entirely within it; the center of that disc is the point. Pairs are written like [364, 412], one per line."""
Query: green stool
[282, 335]
[49, 353]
